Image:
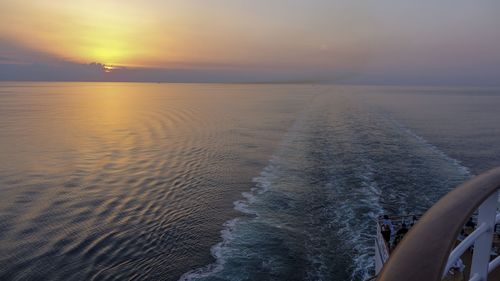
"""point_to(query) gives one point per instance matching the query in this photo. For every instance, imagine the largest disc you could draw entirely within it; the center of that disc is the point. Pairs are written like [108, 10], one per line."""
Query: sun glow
[83, 32]
[109, 38]
[107, 51]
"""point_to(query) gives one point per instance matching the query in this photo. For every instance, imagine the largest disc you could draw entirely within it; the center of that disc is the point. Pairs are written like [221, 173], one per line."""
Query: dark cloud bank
[96, 72]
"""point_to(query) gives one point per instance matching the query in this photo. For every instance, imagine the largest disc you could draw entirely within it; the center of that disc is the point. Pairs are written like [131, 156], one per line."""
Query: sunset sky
[383, 41]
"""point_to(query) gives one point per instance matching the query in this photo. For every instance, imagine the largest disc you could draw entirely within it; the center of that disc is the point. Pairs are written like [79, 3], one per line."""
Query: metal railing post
[482, 246]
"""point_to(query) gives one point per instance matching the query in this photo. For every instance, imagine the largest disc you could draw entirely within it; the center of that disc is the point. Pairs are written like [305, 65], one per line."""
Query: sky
[427, 42]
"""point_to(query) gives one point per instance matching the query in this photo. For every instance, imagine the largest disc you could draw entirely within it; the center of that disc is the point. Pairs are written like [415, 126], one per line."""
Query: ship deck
[384, 248]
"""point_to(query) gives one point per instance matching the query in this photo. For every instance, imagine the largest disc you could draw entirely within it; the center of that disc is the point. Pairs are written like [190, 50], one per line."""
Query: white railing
[427, 251]
[481, 238]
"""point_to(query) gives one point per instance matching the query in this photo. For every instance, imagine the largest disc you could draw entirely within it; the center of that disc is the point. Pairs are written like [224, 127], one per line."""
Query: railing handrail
[424, 251]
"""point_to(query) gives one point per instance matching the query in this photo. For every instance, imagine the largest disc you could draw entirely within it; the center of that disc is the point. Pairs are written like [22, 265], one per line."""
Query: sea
[158, 181]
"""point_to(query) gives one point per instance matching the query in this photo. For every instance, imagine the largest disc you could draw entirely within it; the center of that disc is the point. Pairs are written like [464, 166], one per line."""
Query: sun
[108, 68]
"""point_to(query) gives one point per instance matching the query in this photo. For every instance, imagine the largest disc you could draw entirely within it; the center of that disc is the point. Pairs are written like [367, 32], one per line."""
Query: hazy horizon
[453, 43]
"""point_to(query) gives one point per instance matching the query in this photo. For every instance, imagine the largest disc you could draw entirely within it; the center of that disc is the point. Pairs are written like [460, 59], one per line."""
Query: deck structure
[429, 250]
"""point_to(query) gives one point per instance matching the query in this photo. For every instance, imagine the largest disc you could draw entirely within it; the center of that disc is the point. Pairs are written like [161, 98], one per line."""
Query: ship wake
[311, 214]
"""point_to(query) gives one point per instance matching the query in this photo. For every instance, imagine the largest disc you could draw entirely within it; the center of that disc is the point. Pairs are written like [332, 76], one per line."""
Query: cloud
[16, 53]
[98, 72]
[21, 63]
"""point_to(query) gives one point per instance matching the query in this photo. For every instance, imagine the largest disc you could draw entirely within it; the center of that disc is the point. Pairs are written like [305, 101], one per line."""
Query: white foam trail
[365, 262]
[216, 251]
[464, 170]
[262, 185]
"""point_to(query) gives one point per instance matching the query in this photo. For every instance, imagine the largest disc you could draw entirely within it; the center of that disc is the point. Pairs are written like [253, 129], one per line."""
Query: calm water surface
[122, 181]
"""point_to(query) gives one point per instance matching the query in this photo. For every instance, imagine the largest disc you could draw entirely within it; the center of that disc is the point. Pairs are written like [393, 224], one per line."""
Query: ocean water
[123, 181]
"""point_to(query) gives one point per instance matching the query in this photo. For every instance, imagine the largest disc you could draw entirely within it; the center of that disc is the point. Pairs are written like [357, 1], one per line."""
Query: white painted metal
[464, 245]
[381, 251]
[484, 231]
[482, 246]
[454, 209]
[494, 264]
[475, 277]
